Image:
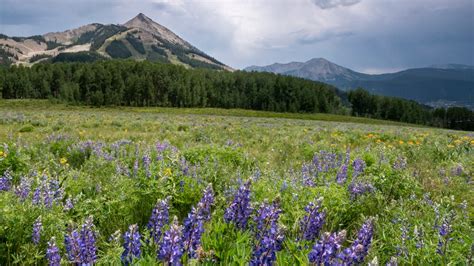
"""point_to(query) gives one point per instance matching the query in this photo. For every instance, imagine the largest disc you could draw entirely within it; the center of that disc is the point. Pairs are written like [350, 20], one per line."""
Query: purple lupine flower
[24, 189]
[325, 250]
[313, 221]
[72, 242]
[194, 223]
[207, 200]
[69, 204]
[5, 181]
[240, 209]
[402, 249]
[358, 188]
[184, 166]
[358, 167]
[135, 168]
[52, 253]
[37, 228]
[269, 235]
[355, 254]
[427, 199]
[159, 218]
[81, 246]
[55, 189]
[171, 249]
[88, 242]
[257, 174]
[162, 146]
[445, 231]
[37, 196]
[146, 164]
[457, 170]
[48, 197]
[342, 175]
[131, 245]
[348, 156]
[308, 178]
[400, 163]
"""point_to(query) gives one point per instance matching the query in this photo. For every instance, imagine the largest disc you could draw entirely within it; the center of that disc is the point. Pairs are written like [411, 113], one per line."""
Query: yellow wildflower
[1, 153]
[450, 146]
[410, 142]
[457, 142]
[378, 141]
[472, 142]
[63, 161]
[167, 171]
[401, 142]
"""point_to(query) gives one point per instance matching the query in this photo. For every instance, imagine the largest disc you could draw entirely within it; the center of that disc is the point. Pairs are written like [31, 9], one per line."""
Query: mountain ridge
[448, 84]
[139, 38]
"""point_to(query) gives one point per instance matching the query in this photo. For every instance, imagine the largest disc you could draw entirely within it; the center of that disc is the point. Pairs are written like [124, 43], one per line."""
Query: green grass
[208, 111]
[42, 142]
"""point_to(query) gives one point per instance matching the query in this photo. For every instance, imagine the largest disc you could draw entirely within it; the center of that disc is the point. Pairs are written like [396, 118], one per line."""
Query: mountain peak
[318, 60]
[141, 16]
[139, 21]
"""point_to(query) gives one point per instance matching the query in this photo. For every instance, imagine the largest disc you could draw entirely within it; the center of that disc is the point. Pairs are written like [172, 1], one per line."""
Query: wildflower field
[112, 186]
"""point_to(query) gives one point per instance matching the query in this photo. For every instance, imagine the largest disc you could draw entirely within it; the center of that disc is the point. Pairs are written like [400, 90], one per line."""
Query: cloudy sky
[371, 36]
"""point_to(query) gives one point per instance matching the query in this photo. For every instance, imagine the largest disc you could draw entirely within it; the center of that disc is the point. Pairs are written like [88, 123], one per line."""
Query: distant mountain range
[437, 85]
[140, 38]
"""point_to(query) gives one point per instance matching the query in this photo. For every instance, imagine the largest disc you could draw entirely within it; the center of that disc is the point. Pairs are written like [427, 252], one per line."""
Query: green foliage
[27, 128]
[85, 56]
[397, 109]
[117, 49]
[136, 43]
[159, 50]
[50, 45]
[39, 57]
[5, 57]
[147, 84]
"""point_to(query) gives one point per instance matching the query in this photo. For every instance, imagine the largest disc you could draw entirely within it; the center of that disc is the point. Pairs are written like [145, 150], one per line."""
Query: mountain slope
[441, 84]
[139, 38]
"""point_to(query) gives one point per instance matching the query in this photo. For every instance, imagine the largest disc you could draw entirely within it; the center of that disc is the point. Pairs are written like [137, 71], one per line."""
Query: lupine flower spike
[171, 249]
[240, 209]
[131, 245]
[52, 253]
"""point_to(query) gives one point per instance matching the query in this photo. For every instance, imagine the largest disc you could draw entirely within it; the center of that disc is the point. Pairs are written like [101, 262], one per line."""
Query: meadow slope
[244, 187]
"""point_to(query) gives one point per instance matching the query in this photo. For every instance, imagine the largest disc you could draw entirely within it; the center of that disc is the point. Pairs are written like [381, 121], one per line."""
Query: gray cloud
[371, 35]
[309, 38]
[325, 4]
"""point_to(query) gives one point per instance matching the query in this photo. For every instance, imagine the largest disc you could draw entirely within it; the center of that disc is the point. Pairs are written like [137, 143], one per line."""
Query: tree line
[132, 83]
[390, 108]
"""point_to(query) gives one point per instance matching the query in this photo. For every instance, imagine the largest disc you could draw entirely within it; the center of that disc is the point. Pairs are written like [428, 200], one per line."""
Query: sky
[370, 36]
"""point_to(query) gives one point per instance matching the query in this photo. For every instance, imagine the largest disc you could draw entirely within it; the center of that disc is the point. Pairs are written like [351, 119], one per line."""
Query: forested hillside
[131, 83]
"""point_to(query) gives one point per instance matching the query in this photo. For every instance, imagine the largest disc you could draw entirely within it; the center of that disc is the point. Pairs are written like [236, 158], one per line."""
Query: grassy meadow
[284, 189]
